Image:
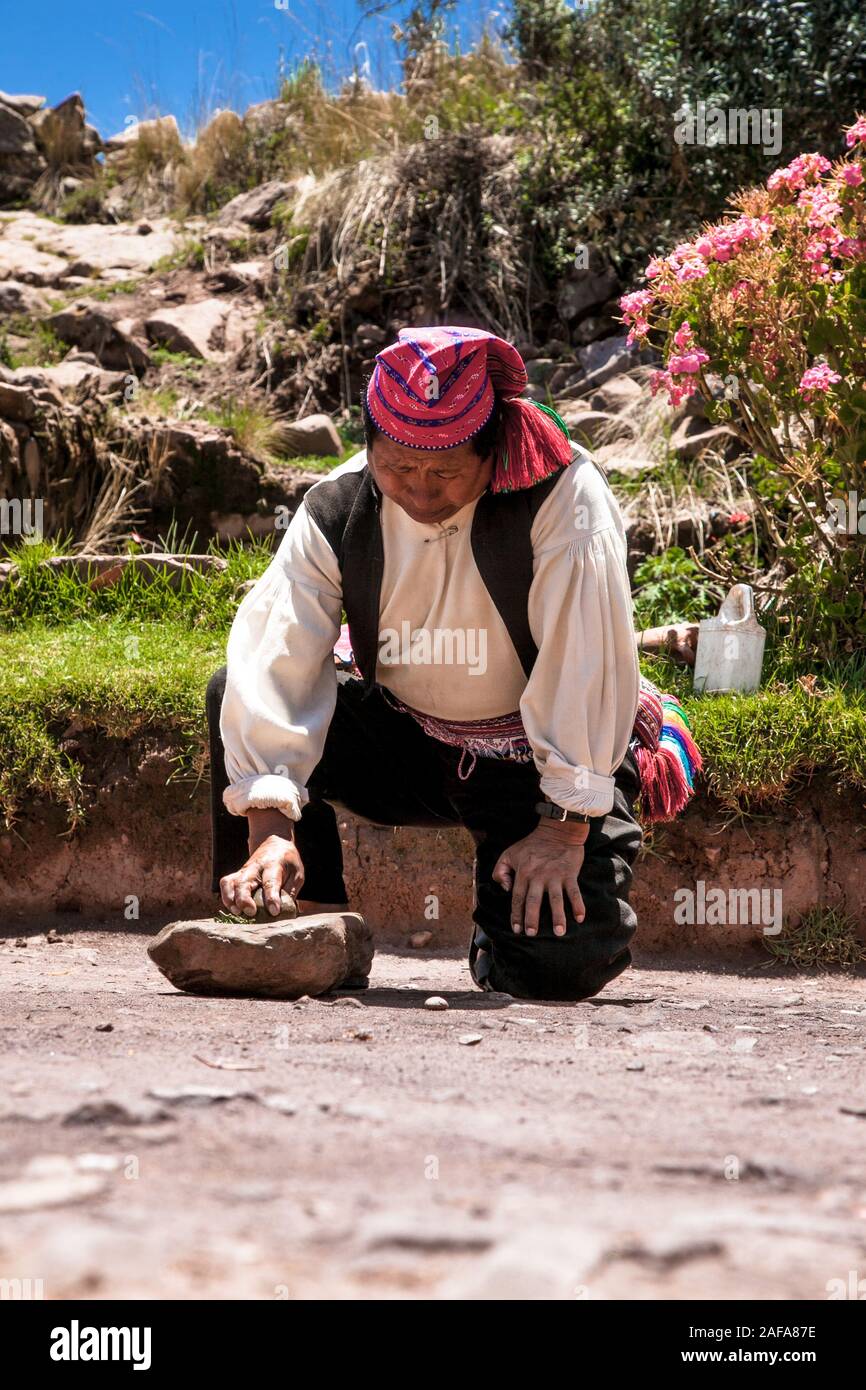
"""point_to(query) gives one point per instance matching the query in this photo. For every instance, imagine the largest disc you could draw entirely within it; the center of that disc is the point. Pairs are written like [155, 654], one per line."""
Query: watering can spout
[738, 605]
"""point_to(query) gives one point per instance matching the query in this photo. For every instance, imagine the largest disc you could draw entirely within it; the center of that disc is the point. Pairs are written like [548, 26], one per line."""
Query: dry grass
[218, 160]
[257, 429]
[60, 145]
[114, 510]
[436, 218]
[148, 166]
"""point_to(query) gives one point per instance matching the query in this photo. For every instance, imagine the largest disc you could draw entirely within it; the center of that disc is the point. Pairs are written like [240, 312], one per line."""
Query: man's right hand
[274, 866]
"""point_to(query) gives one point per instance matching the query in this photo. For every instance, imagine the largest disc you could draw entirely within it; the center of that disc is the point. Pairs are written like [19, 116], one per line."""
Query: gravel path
[690, 1134]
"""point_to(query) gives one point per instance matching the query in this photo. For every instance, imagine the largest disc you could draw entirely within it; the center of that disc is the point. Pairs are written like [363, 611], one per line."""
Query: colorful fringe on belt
[666, 754]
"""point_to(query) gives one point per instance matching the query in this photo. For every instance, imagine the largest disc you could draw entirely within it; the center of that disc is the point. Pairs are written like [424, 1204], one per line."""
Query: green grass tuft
[825, 938]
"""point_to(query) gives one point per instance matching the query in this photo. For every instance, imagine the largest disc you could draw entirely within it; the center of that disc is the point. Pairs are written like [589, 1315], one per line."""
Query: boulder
[266, 117]
[540, 370]
[602, 355]
[607, 358]
[254, 208]
[64, 127]
[16, 403]
[32, 460]
[596, 326]
[615, 458]
[69, 375]
[20, 161]
[693, 436]
[197, 329]
[23, 104]
[586, 288]
[314, 435]
[16, 134]
[209, 483]
[38, 251]
[618, 393]
[567, 374]
[10, 456]
[164, 128]
[16, 298]
[307, 955]
[88, 327]
[592, 426]
[572, 413]
[555, 347]
[229, 279]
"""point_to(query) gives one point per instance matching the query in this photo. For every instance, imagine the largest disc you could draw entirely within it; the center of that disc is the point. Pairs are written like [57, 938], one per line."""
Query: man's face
[430, 485]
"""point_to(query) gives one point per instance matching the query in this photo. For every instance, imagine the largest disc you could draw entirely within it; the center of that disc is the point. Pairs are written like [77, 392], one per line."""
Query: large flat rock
[197, 329]
[307, 955]
[38, 251]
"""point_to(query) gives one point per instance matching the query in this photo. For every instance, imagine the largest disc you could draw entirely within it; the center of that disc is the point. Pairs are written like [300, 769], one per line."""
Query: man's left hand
[548, 860]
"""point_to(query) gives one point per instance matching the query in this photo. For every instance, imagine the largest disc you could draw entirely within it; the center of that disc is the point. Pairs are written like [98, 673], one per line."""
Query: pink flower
[633, 312]
[856, 133]
[688, 363]
[852, 174]
[692, 270]
[722, 242]
[824, 242]
[795, 174]
[818, 378]
[823, 208]
[640, 299]
[677, 390]
[683, 337]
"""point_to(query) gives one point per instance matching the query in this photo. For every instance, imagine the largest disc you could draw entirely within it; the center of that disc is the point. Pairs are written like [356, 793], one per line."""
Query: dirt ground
[692, 1133]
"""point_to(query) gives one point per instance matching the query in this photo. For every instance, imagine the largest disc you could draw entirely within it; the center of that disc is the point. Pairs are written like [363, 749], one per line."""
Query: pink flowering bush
[764, 315]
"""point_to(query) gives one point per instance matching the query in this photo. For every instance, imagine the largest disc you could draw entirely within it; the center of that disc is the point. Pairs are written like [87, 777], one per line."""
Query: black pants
[380, 764]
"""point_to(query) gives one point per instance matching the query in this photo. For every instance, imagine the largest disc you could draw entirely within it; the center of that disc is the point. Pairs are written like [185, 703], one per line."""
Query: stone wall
[149, 838]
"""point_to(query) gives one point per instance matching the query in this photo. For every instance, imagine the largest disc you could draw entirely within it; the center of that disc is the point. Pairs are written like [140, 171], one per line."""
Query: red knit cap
[436, 387]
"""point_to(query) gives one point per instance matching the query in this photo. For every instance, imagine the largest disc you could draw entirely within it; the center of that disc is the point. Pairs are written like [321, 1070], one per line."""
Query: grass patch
[308, 463]
[826, 937]
[137, 654]
[115, 676]
[263, 435]
[198, 601]
[190, 255]
[759, 749]
[162, 356]
[42, 347]
[119, 661]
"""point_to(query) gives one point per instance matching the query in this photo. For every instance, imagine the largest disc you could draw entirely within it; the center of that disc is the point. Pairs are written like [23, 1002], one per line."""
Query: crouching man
[480, 558]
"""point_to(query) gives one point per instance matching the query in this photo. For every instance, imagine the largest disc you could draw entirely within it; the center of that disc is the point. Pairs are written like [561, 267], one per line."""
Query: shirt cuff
[266, 791]
[576, 788]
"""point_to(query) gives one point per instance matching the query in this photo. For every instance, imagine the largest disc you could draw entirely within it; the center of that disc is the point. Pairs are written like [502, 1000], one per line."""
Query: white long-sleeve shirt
[443, 646]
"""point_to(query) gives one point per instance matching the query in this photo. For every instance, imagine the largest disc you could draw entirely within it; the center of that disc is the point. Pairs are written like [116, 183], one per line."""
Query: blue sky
[188, 56]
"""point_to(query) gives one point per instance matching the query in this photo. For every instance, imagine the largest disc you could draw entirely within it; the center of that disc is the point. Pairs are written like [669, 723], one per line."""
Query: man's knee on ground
[549, 968]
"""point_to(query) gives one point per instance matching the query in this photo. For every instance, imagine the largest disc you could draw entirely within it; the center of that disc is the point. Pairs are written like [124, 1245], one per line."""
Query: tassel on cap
[534, 444]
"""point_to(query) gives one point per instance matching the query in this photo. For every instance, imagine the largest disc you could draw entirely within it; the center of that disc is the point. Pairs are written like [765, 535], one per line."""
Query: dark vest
[347, 512]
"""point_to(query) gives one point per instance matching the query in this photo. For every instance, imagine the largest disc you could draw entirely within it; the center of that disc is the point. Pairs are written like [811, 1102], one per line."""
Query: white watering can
[730, 651]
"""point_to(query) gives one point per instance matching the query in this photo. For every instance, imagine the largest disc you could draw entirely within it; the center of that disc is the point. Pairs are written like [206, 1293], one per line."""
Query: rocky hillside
[199, 371]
